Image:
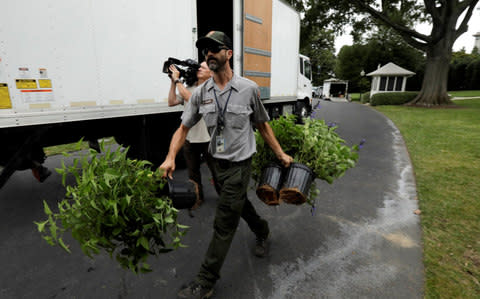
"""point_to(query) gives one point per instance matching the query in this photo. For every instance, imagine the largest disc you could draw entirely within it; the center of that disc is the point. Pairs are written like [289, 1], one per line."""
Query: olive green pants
[233, 203]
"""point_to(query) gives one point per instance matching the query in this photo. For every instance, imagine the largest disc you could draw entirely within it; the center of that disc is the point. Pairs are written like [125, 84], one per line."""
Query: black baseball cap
[217, 37]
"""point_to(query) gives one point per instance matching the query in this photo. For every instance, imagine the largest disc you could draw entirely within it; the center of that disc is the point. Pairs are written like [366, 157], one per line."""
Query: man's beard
[215, 64]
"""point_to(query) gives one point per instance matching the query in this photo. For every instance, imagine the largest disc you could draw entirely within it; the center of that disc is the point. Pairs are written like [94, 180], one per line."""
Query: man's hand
[168, 167]
[175, 74]
[285, 159]
[269, 137]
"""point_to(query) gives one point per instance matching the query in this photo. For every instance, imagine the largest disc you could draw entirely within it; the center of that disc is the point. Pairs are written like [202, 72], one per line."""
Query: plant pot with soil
[270, 183]
[316, 146]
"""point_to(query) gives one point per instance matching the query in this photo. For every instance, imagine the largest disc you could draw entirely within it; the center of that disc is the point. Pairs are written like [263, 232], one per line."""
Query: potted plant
[266, 170]
[318, 152]
[114, 206]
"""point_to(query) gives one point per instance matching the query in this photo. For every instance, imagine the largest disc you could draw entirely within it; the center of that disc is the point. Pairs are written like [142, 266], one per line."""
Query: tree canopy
[401, 16]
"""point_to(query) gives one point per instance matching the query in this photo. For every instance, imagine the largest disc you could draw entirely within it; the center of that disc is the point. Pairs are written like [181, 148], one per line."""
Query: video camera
[188, 69]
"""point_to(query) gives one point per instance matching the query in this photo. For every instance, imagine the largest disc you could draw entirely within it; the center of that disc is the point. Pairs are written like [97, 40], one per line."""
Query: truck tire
[301, 111]
[275, 111]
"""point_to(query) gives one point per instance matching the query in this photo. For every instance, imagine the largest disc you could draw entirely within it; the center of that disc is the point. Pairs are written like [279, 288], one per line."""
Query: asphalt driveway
[363, 239]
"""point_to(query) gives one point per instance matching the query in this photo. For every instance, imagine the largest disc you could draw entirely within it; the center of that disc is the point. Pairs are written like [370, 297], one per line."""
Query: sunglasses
[213, 48]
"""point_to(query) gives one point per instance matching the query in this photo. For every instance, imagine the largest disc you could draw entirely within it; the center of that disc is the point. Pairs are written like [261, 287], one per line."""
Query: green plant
[392, 98]
[365, 97]
[323, 151]
[115, 206]
[288, 135]
[314, 144]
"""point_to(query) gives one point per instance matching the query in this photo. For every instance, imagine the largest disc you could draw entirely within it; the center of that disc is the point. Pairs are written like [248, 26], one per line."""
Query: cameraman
[198, 138]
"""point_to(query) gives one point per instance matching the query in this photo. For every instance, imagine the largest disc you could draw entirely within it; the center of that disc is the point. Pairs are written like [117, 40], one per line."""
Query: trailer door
[257, 43]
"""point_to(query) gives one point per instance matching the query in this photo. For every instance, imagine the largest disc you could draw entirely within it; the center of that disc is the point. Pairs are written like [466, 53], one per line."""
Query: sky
[466, 40]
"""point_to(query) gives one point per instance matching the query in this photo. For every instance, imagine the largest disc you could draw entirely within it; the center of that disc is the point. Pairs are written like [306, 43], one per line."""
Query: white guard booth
[389, 78]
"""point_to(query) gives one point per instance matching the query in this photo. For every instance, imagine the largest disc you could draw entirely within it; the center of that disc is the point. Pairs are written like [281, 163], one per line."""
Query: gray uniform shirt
[243, 110]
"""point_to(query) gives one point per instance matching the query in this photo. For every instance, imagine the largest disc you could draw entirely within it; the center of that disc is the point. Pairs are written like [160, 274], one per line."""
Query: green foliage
[381, 48]
[115, 206]
[392, 98]
[464, 71]
[323, 151]
[314, 144]
[317, 37]
[288, 134]
[365, 97]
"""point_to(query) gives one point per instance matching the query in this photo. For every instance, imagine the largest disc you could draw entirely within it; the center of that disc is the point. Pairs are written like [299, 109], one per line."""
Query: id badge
[220, 144]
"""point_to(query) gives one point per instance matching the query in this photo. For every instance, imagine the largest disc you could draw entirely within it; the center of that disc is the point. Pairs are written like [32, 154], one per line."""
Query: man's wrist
[177, 81]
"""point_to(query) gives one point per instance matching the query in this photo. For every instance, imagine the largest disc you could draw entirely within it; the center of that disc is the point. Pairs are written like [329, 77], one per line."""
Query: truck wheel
[275, 112]
[301, 111]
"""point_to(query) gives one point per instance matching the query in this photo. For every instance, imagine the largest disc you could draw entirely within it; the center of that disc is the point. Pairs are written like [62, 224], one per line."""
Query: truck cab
[304, 91]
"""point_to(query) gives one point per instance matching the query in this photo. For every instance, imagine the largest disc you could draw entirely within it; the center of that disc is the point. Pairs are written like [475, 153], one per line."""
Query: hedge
[392, 98]
[365, 97]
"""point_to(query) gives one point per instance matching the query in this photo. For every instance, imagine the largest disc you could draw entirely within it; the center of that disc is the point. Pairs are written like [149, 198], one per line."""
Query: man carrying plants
[230, 106]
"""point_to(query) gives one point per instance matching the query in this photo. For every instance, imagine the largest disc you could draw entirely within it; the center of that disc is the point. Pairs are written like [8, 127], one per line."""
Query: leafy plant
[323, 151]
[288, 135]
[116, 206]
[314, 144]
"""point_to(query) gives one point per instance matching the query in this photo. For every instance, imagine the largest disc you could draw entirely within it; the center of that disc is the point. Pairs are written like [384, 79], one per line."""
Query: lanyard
[221, 113]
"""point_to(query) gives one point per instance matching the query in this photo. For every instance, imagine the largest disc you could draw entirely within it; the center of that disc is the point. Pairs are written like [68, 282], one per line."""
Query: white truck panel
[285, 49]
[102, 56]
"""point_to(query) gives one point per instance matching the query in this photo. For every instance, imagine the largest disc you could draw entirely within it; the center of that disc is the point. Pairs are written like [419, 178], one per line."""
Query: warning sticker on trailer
[5, 102]
[37, 95]
[45, 83]
[26, 83]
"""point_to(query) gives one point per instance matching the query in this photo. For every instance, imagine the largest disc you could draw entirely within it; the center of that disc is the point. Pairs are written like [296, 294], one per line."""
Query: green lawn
[465, 93]
[355, 96]
[444, 145]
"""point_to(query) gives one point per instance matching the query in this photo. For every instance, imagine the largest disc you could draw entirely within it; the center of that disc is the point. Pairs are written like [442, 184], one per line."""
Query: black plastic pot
[182, 193]
[270, 184]
[296, 184]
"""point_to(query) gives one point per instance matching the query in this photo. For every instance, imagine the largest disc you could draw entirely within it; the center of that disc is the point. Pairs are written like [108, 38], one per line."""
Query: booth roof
[391, 69]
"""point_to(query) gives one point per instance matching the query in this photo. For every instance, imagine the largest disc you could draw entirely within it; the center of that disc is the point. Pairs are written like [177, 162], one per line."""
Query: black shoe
[261, 246]
[195, 290]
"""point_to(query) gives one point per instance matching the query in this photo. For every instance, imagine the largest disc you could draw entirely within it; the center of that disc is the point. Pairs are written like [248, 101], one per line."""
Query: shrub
[392, 98]
[115, 206]
[365, 97]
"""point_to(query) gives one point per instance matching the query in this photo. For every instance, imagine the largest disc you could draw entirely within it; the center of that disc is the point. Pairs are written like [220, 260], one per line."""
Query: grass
[355, 96]
[72, 147]
[445, 152]
[465, 93]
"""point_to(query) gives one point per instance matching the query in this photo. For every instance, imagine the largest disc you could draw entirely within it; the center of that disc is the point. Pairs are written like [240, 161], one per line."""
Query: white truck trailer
[335, 90]
[92, 69]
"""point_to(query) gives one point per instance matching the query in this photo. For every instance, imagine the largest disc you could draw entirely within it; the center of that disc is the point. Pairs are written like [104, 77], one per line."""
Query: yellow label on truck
[26, 83]
[5, 102]
[45, 83]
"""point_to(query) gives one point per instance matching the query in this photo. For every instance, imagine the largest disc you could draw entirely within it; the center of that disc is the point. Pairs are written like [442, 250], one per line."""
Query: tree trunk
[434, 86]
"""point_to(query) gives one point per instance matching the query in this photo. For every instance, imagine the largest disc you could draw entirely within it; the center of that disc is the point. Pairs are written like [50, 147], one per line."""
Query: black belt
[222, 163]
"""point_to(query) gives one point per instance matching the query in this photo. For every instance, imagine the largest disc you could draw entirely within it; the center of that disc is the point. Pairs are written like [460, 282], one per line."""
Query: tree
[317, 36]
[444, 15]
[464, 71]
[381, 47]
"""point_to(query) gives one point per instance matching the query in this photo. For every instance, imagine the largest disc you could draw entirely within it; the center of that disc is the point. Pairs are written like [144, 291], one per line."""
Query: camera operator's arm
[173, 100]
